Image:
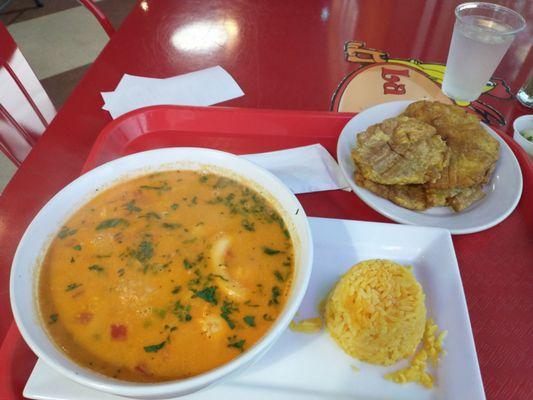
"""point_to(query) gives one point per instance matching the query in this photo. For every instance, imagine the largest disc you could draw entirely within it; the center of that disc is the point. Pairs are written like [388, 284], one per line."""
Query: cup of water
[481, 36]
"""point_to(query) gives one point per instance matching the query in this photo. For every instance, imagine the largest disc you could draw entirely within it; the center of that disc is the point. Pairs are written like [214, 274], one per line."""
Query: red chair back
[25, 108]
[99, 15]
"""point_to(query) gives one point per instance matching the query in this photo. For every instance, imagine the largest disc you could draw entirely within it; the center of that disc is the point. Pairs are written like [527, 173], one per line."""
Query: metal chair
[25, 108]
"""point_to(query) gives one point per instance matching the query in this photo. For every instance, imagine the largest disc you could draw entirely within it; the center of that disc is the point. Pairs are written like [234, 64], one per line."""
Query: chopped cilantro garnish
[164, 187]
[174, 206]
[211, 276]
[216, 200]
[249, 226]
[176, 289]
[145, 251]
[204, 178]
[187, 264]
[270, 251]
[182, 311]
[131, 207]
[103, 255]
[250, 320]
[72, 286]
[249, 304]
[227, 308]
[275, 295]
[77, 247]
[150, 215]
[278, 276]
[207, 294]
[53, 318]
[96, 267]
[158, 267]
[170, 225]
[170, 328]
[192, 282]
[221, 183]
[268, 317]
[111, 223]
[237, 344]
[66, 231]
[154, 348]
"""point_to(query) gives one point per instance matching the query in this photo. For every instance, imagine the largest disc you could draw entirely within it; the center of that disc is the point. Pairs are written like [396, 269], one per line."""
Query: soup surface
[166, 276]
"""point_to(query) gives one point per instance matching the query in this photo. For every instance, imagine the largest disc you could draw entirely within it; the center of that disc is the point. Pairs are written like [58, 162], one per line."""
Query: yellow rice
[376, 312]
[309, 325]
[417, 370]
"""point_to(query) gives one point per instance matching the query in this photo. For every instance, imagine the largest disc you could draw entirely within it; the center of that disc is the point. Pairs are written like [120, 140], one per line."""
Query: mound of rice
[376, 312]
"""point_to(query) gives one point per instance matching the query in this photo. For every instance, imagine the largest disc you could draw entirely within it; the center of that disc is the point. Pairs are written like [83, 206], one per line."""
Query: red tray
[495, 264]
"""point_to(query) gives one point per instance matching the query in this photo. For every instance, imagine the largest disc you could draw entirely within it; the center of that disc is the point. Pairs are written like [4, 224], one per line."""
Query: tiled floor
[7, 169]
[60, 41]
[59, 86]
[23, 10]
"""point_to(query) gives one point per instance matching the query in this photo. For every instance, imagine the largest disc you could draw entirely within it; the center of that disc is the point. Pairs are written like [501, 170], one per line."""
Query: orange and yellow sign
[381, 79]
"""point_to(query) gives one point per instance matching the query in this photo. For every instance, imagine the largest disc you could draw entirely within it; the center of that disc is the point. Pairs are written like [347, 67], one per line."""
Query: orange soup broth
[166, 276]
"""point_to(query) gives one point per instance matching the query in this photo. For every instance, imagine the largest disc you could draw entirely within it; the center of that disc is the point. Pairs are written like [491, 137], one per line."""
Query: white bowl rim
[517, 136]
[520, 119]
[197, 382]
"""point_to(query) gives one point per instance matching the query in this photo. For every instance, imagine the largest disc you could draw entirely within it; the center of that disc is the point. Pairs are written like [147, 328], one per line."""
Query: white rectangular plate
[303, 366]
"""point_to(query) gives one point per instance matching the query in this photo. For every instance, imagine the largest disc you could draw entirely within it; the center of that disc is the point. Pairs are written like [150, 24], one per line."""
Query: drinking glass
[481, 36]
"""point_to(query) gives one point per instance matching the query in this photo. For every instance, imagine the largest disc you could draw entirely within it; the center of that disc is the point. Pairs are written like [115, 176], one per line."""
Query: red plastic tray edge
[525, 162]
[109, 129]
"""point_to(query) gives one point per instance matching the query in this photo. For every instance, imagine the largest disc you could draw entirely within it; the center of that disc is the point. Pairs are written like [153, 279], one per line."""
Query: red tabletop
[290, 55]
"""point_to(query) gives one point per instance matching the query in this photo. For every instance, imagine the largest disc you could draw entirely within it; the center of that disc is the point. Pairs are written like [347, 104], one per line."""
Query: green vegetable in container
[527, 134]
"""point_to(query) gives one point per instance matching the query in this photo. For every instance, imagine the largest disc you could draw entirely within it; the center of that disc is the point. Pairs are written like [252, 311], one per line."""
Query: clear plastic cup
[481, 36]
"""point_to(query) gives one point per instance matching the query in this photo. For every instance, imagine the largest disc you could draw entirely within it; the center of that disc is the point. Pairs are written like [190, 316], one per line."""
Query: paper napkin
[303, 169]
[200, 88]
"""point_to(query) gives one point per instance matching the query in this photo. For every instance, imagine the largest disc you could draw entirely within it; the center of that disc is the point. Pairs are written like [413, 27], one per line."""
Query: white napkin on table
[200, 88]
[303, 169]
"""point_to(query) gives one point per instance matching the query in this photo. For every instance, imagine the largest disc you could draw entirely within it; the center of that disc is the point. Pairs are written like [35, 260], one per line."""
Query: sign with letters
[380, 78]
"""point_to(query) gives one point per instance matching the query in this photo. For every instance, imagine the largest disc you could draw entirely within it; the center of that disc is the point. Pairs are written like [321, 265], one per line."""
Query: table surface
[288, 55]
